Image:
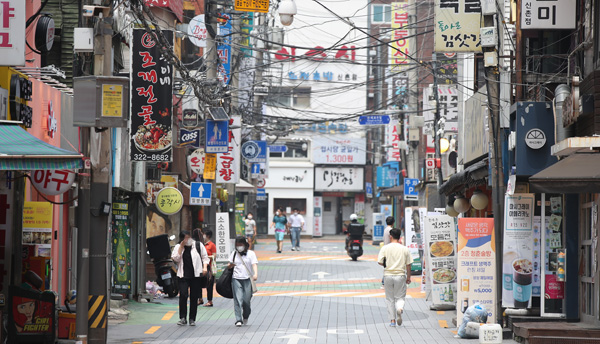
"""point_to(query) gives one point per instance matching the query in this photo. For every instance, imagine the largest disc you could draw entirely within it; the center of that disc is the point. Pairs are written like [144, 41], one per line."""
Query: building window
[295, 150]
[289, 204]
[296, 97]
[382, 14]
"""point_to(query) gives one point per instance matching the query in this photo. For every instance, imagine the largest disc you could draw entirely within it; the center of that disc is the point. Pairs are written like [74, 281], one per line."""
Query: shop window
[327, 206]
[288, 204]
[382, 14]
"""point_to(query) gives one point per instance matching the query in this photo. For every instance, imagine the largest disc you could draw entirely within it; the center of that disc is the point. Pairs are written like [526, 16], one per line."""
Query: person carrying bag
[243, 280]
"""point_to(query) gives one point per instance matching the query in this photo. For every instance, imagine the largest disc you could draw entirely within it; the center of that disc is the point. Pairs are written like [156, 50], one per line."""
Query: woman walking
[245, 266]
[279, 222]
[191, 265]
[211, 250]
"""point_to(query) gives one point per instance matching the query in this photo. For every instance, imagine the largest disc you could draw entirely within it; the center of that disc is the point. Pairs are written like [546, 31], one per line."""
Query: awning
[577, 173]
[244, 186]
[395, 191]
[471, 176]
[19, 150]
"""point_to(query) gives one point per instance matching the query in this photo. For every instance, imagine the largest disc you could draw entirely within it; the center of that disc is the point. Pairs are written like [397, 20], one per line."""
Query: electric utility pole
[212, 56]
[438, 132]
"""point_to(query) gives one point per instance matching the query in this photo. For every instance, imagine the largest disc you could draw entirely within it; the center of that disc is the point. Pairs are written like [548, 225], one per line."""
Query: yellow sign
[252, 5]
[400, 41]
[112, 101]
[210, 166]
[37, 216]
[169, 201]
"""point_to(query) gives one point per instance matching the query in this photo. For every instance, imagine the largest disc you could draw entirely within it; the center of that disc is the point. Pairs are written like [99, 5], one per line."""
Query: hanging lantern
[450, 211]
[479, 200]
[461, 205]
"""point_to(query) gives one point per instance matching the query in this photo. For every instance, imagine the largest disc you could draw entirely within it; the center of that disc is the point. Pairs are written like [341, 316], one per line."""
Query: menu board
[476, 266]
[440, 239]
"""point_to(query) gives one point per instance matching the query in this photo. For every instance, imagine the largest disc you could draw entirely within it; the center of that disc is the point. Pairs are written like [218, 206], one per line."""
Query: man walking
[389, 221]
[296, 222]
[396, 260]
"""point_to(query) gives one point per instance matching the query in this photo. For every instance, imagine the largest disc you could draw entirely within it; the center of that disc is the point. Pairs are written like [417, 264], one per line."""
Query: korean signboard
[400, 46]
[339, 179]
[224, 52]
[318, 217]
[37, 227]
[12, 32]
[440, 241]
[228, 164]
[222, 238]
[52, 182]
[392, 141]
[121, 238]
[197, 31]
[6, 226]
[476, 269]
[457, 25]
[448, 104]
[413, 234]
[252, 5]
[517, 261]
[169, 201]
[446, 68]
[151, 99]
[544, 14]
[291, 177]
[339, 150]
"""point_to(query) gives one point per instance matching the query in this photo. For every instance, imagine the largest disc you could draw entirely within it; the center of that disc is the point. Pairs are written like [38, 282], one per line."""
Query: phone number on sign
[153, 157]
[340, 158]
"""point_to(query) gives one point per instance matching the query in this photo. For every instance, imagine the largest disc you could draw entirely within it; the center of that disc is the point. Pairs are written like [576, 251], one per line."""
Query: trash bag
[475, 313]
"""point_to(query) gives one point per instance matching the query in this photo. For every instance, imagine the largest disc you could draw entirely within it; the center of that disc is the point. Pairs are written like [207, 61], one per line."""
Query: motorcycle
[166, 275]
[354, 242]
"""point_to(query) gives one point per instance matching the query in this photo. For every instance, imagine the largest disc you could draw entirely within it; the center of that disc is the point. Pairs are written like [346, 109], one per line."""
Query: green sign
[121, 239]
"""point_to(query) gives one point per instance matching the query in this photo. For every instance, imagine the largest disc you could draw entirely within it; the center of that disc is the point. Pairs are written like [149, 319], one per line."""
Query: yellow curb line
[152, 330]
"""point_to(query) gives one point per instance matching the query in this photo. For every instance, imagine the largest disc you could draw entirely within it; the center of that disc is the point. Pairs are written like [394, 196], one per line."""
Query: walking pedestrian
[245, 266]
[396, 260]
[296, 222]
[389, 221]
[279, 223]
[191, 265]
[250, 230]
[211, 251]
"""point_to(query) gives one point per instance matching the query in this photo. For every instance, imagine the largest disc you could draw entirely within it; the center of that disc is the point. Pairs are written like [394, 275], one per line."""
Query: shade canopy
[20, 150]
[578, 173]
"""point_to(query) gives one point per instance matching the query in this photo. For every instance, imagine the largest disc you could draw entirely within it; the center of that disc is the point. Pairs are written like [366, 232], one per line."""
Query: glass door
[588, 260]
[552, 254]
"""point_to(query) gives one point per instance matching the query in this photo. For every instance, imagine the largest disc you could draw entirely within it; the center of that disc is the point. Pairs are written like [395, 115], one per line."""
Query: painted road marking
[441, 312]
[152, 329]
[295, 293]
[297, 258]
[137, 343]
[340, 294]
[443, 323]
[373, 295]
[168, 316]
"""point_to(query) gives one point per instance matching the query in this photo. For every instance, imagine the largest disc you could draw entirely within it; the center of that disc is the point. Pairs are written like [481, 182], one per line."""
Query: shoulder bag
[254, 289]
[223, 284]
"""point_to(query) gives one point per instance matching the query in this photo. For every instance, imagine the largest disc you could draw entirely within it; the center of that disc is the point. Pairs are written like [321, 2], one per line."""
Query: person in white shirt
[296, 222]
[191, 265]
[396, 260]
[250, 229]
[243, 262]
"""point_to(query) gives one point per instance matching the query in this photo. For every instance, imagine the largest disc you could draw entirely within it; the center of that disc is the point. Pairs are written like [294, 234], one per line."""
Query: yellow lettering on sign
[210, 166]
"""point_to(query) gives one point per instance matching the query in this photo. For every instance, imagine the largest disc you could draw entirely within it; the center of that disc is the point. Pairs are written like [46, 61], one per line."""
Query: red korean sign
[52, 182]
[151, 99]
[228, 164]
[12, 32]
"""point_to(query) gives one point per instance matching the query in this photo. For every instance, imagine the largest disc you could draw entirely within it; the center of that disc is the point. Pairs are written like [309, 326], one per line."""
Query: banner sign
[392, 142]
[446, 68]
[457, 24]
[224, 51]
[339, 149]
[476, 266]
[517, 261]
[189, 138]
[12, 32]
[228, 164]
[339, 179]
[440, 240]
[448, 104]
[318, 217]
[151, 99]
[400, 48]
[222, 239]
[121, 239]
[543, 14]
[412, 227]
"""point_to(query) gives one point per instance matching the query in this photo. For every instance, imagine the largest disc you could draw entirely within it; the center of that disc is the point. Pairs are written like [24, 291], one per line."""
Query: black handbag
[223, 284]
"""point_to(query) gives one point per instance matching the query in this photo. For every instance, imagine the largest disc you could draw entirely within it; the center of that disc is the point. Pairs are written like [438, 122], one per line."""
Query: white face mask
[240, 248]
[204, 236]
[277, 213]
[249, 217]
[189, 242]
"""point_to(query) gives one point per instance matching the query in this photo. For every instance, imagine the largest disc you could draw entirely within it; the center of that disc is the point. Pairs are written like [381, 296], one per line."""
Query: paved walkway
[317, 295]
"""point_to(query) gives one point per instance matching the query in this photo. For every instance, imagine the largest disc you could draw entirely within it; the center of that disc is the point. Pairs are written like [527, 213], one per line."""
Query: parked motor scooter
[166, 275]
[354, 242]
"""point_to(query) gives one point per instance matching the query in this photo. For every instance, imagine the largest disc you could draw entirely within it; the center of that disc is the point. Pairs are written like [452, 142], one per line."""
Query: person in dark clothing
[191, 265]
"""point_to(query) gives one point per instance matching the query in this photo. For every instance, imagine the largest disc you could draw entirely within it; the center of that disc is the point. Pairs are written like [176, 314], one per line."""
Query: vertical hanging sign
[440, 238]
[151, 99]
[400, 41]
[318, 217]
[222, 240]
[121, 239]
[228, 164]
[224, 51]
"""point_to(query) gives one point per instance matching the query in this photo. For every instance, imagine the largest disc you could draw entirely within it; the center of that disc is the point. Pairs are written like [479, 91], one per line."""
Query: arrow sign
[200, 193]
[374, 120]
[320, 274]
[294, 338]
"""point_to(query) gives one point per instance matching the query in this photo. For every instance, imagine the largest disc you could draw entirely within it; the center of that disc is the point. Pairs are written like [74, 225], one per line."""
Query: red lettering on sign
[148, 59]
[7, 13]
[147, 114]
[149, 92]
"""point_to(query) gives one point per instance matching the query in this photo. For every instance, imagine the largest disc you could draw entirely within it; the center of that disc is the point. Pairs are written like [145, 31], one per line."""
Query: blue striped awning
[20, 150]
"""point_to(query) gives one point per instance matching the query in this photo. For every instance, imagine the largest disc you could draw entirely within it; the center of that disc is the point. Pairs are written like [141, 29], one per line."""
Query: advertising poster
[422, 252]
[121, 239]
[31, 317]
[151, 99]
[476, 266]
[441, 260]
[318, 217]
[338, 149]
[412, 228]
[517, 259]
[538, 250]
[37, 227]
[378, 227]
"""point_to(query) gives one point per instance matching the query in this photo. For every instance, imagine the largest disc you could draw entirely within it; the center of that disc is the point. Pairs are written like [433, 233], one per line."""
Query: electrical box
[489, 37]
[100, 101]
[83, 40]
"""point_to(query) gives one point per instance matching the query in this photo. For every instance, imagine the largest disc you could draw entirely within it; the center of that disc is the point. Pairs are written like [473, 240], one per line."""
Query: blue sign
[224, 51]
[369, 187]
[262, 152]
[217, 136]
[374, 120]
[410, 191]
[261, 195]
[278, 149]
[200, 193]
[386, 177]
[189, 138]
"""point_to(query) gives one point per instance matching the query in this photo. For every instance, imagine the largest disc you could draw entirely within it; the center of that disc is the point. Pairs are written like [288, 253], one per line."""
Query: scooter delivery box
[159, 247]
[356, 229]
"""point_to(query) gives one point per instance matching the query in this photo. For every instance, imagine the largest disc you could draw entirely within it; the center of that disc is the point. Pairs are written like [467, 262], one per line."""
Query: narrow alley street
[317, 295]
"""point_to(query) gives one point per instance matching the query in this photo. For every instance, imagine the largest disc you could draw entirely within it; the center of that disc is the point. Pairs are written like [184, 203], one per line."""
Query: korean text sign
[228, 164]
[151, 99]
[339, 179]
[544, 14]
[222, 237]
[400, 46]
[457, 25]
[440, 241]
[12, 32]
[448, 104]
[517, 259]
[339, 149]
[476, 269]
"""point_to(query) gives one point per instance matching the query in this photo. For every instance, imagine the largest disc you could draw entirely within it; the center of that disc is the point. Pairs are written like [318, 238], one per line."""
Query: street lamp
[287, 10]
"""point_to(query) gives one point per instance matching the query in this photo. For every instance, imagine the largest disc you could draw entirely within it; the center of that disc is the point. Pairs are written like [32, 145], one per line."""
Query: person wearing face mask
[191, 265]
[245, 266]
[211, 250]
[279, 222]
[296, 223]
[250, 229]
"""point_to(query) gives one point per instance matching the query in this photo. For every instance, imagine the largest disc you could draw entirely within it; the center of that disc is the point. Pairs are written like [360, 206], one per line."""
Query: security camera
[287, 10]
